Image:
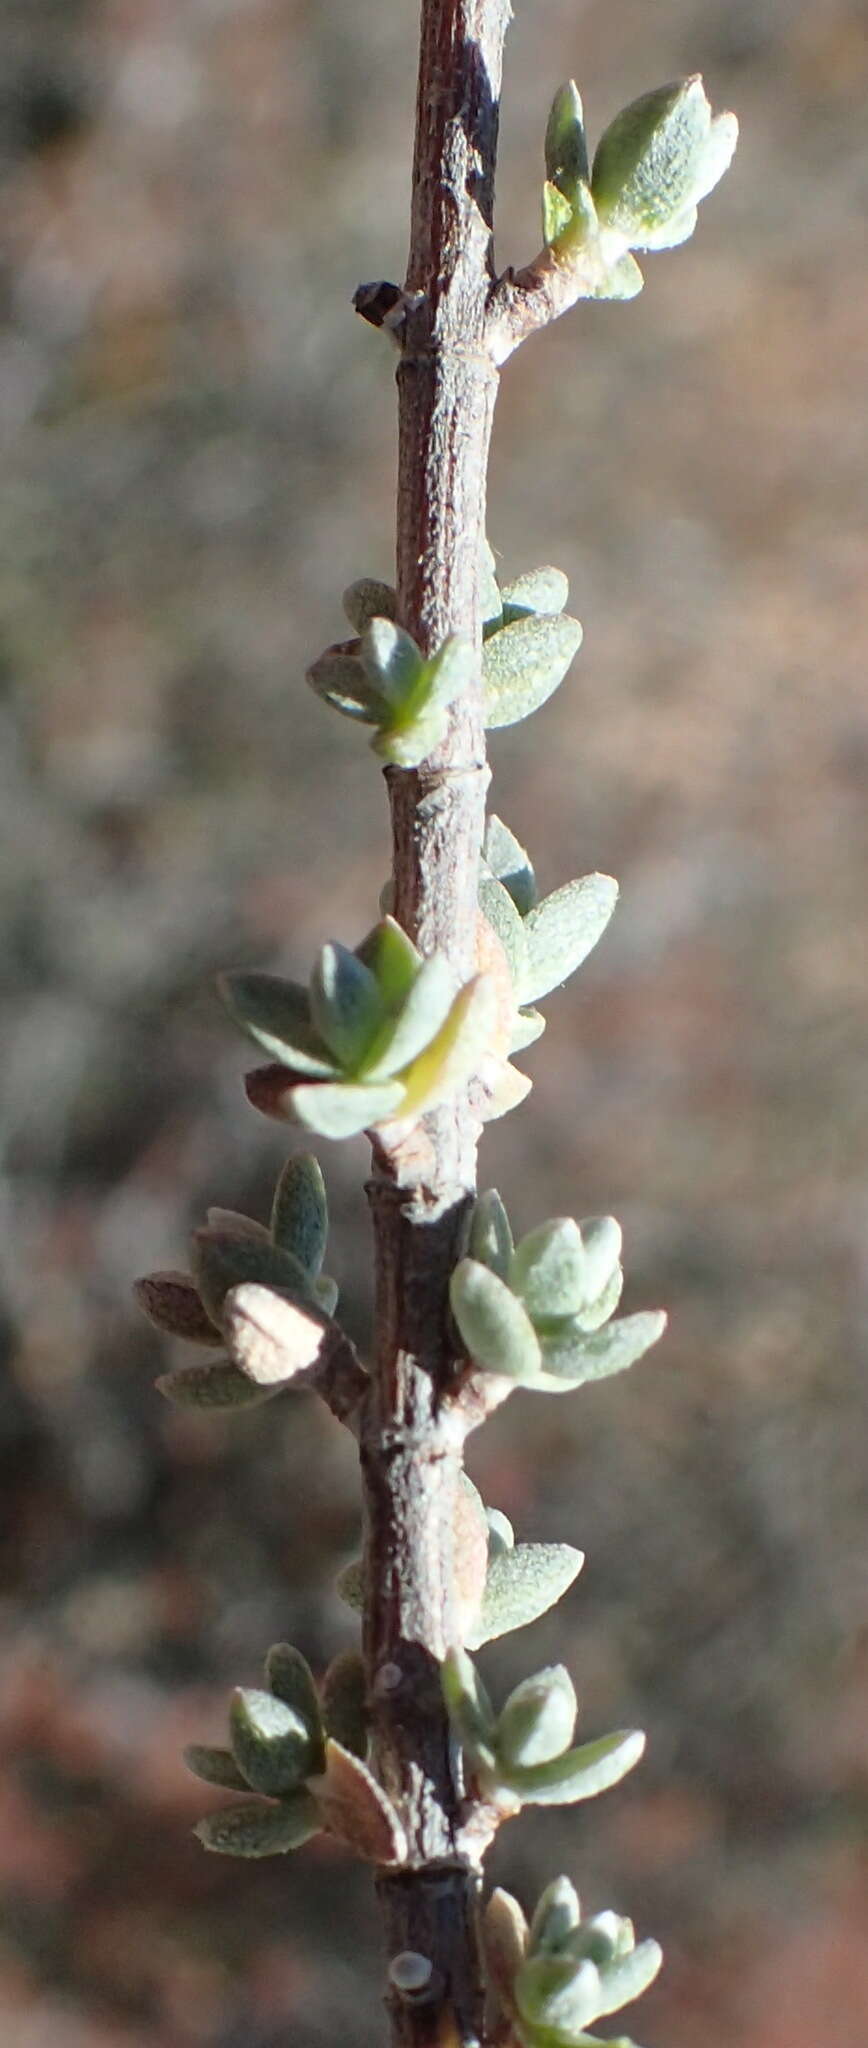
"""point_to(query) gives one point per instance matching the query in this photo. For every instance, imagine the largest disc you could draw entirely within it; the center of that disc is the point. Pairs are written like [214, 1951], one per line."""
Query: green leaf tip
[257, 1829]
[522, 1756]
[523, 664]
[274, 1744]
[656, 161]
[383, 679]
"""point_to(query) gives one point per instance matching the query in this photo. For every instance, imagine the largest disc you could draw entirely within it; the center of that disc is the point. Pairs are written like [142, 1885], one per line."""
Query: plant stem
[411, 1437]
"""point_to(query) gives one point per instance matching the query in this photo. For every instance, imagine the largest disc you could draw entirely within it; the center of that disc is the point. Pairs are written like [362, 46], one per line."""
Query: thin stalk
[411, 1438]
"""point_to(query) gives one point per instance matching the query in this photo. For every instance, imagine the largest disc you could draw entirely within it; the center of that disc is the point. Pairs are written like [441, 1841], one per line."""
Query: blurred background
[199, 453]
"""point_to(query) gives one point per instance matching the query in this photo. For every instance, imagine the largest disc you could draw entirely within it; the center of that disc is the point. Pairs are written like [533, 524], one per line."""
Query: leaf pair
[556, 1977]
[303, 1754]
[379, 1036]
[234, 1256]
[538, 1313]
[523, 1756]
[655, 162]
[544, 942]
[383, 680]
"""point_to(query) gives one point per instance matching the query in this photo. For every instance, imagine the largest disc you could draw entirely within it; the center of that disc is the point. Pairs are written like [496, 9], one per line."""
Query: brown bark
[411, 1429]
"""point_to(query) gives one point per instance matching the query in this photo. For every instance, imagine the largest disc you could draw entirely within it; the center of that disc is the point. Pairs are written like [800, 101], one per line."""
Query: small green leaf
[366, 599]
[627, 1976]
[598, 1312]
[570, 1357]
[659, 157]
[510, 863]
[260, 1830]
[537, 1721]
[563, 929]
[549, 1270]
[345, 1004]
[580, 1773]
[454, 1056]
[404, 746]
[344, 1702]
[215, 1767]
[350, 1585]
[500, 912]
[468, 1706]
[557, 1915]
[557, 213]
[566, 150]
[523, 664]
[299, 1212]
[339, 678]
[537, 590]
[272, 1743]
[424, 1012]
[490, 1239]
[171, 1301]
[602, 1240]
[393, 960]
[289, 1677]
[344, 1110]
[222, 1261]
[216, 1385]
[494, 1324]
[449, 672]
[276, 1015]
[391, 660]
[621, 279]
[501, 1537]
[522, 1583]
[558, 1995]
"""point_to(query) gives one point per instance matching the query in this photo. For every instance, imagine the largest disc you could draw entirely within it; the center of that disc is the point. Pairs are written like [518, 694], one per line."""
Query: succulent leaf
[659, 157]
[339, 678]
[537, 590]
[276, 1015]
[456, 1052]
[549, 1270]
[272, 1743]
[579, 1773]
[571, 1357]
[289, 1677]
[563, 929]
[469, 1707]
[299, 1212]
[510, 863]
[494, 1324]
[219, 1384]
[490, 1237]
[215, 1767]
[344, 1703]
[391, 661]
[523, 664]
[522, 1583]
[423, 1014]
[366, 599]
[537, 1721]
[557, 1916]
[566, 151]
[258, 1829]
[500, 912]
[343, 1109]
[222, 1260]
[172, 1302]
[393, 960]
[345, 1004]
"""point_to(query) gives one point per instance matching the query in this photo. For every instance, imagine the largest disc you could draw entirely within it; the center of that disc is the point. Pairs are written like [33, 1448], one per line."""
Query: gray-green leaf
[260, 1830]
[570, 1356]
[563, 929]
[523, 664]
[494, 1324]
[299, 1212]
[521, 1584]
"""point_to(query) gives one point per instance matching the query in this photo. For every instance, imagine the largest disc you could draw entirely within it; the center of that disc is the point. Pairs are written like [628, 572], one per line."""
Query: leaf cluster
[555, 1978]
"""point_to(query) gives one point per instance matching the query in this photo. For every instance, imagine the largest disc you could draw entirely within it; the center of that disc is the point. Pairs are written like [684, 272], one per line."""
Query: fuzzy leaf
[350, 1585]
[537, 590]
[216, 1385]
[500, 912]
[549, 1270]
[339, 678]
[355, 1808]
[468, 1706]
[522, 1583]
[171, 1301]
[366, 599]
[602, 1240]
[424, 1013]
[299, 1212]
[557, 1915]
[344, 1702]
[563, 929]
[501, 1534]
[271, 1339]
[598, 1312]
[660, 155]
[345, 1004]
[570, 1357]
[391, 660]
[558, 1995]
[580, 1773]
[622, 279]
[494, 1324]
[289, 1677]
[504, 1943]
[627, 1977]
[222, 1261]
[510, 863]
[276, 1015]
[566, 150]
[393, 960]
[260, 1830]
[490, 1239]
[343, 1110]
[523, 664]
[455, 1054]
[449, 672]
[537, 1721]
[215, 1767]
[272, 1743]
